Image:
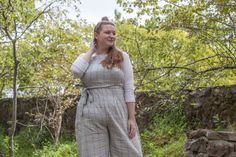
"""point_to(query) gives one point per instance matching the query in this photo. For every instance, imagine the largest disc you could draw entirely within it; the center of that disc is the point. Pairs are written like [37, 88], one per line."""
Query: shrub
[165, 134]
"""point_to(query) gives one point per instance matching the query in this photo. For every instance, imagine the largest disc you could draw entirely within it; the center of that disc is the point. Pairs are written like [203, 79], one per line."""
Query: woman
[105, 117]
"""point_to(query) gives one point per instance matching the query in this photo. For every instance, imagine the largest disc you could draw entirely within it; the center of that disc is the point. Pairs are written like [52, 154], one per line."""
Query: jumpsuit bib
[102, 116]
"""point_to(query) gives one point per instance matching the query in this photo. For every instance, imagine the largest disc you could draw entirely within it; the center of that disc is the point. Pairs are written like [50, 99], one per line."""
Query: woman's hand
[90, 52]
[93, 46]
[132, 128]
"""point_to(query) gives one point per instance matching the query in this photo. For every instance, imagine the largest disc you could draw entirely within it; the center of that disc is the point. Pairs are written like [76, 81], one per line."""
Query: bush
[31, 139]
[175, 148]
[4, 142]
[65, 149]
[166, 134]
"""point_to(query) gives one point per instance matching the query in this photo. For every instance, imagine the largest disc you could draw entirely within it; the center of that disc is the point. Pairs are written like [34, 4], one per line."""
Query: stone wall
[34, 111]
[28, 109]
[207, 106]
[211, 107]
[206, 143]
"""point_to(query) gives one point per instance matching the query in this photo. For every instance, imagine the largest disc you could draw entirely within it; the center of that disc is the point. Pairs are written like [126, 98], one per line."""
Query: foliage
[174, 148]
[34, 137]
[169, 60]
[197, 47]
[181, 45]
[166, 134]
[51, 54]
[31, 142]
[4, 142]
[163, 58]
[41, 41]
[66, 149]
[29, 50]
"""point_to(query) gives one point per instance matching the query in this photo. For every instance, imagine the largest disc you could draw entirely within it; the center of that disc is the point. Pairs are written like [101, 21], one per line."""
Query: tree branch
[169, 67]
[5, 42]
[189, 69]
[138, 46]
[178, 6]
[4, 28]
[217, 68]
[206, 58]
[34, 19]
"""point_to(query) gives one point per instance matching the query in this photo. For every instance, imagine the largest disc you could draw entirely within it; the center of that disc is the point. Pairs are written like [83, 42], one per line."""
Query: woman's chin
[110, 45]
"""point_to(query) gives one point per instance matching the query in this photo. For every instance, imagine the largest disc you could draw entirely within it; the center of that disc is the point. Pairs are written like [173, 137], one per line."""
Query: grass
[65, 149]
[164, 137]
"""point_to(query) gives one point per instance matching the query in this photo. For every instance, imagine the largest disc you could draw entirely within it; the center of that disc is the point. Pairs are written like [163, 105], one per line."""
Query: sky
[94, 10]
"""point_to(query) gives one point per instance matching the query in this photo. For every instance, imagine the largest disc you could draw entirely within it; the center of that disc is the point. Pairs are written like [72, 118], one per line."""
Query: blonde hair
[115, 56]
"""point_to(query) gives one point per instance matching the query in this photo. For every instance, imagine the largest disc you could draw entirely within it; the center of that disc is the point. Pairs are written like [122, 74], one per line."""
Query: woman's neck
[101, 50]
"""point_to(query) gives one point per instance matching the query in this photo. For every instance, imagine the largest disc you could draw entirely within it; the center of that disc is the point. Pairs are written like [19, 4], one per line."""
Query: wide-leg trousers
[101, 126]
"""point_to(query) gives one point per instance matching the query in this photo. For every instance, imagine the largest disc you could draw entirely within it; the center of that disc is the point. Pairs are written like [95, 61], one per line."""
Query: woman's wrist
[131, 110]
[88, 55]
[132, 117]
[90, 52]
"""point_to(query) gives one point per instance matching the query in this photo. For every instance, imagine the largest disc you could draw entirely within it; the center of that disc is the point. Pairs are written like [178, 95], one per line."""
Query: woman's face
[106, 37]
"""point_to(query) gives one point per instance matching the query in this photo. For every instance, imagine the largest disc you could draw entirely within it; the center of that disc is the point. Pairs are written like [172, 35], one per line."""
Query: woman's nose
[112, 35]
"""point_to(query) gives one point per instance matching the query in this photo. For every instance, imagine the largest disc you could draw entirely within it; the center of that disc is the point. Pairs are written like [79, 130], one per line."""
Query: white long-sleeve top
[80, 66]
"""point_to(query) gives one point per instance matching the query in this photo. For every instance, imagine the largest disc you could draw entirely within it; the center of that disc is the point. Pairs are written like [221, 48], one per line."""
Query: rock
[197, 133]
[189, 154]
[212, 107]
[208, 143]
[202, 155]
[187, 144]
[219, 148]
[232, 154]
[212, 135]
[199, 145]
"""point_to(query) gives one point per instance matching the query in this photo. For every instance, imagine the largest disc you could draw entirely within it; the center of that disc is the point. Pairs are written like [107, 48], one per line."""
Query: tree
[207, 23]
[16, 17]
[51, 54]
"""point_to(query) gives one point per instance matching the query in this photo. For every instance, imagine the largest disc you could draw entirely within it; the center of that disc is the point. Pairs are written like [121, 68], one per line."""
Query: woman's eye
[110, 33]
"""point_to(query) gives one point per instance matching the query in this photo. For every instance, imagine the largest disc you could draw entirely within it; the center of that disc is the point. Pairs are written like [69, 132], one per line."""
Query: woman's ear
[95, 43]
[95, 35]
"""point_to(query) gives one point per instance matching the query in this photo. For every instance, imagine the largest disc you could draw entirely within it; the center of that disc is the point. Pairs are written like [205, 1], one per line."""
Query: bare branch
[140, 83]
[206, 58]
[169, 67]
[138, 46]
[35, 19]
[5, 42]
[15, 27]
[26, 125]
[219, 21]
[195, 72]
[217, 68]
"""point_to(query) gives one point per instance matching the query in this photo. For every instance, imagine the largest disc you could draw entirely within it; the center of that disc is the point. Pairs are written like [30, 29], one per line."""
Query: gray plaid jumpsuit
[102, 116]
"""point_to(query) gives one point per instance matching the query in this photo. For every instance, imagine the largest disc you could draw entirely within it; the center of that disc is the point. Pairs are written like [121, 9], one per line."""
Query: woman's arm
[129, 79]
[131, 119]
[131, 110]
[81, 64]
[129, 94]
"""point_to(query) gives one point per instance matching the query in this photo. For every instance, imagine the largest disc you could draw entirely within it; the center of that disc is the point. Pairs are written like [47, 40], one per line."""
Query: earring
[95, 42]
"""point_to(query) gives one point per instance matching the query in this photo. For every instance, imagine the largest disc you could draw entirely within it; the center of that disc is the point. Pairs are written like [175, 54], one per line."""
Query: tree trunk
[14, 107]
[58, 119]
[57, 130]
